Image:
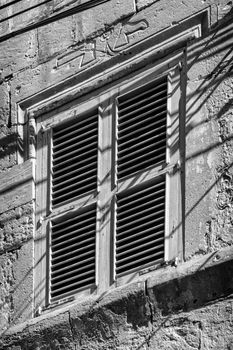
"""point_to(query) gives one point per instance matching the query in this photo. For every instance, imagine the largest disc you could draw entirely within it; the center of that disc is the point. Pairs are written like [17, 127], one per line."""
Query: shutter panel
[140, 226]
[74, 174]
[73, 253]
[142, 143]
[74, 166]
[142, 115]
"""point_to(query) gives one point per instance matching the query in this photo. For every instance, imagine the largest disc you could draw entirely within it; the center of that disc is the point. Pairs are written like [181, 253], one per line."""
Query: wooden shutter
[73, 235]
[142, 145]
[142, 116]
[73, 253]
[74, 168]
[140, 226]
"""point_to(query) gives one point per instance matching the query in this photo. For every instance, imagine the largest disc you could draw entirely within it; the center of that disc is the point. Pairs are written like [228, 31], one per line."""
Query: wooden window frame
[108, 186]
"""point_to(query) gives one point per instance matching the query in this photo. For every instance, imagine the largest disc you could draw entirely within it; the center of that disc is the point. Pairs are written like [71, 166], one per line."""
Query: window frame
[105, 100]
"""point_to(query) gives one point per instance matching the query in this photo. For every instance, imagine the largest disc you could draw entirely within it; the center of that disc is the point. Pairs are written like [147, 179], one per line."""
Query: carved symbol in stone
[127, 30]
[89, 53]
[109, 44]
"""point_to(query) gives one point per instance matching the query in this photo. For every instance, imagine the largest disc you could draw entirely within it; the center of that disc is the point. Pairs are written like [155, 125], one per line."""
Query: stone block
[98, 19]
[17, 16]
[4, 105]
[16, 186]
[159, 312]
[173, 9]
[22, 293]
[16, 272]
[8, 147]
[16, 227]
[54, 38]
[209, 142]
[191, 285]
[16, 54]
[7, 285]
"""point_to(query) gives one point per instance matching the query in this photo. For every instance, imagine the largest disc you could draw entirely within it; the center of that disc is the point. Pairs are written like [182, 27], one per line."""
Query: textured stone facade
[53, 52]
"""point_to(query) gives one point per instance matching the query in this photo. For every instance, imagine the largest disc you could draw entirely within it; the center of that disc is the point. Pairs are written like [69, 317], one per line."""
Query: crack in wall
[72, 331]
[150, 304]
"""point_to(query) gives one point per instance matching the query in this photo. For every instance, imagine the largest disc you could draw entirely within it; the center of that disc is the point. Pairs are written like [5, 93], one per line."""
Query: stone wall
[50, 46]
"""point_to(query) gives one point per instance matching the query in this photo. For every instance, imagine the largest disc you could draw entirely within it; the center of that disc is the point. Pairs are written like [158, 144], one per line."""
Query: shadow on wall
[29, 19]
[218, 46]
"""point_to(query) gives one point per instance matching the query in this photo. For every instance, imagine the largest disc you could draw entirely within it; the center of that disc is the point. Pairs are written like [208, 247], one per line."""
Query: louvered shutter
[142, 144]
[142, 116]
[73, 253]
[74, 165]
[74, 174]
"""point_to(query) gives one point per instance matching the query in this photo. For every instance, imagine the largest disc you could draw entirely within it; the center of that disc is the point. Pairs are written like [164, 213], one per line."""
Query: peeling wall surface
[53, 52]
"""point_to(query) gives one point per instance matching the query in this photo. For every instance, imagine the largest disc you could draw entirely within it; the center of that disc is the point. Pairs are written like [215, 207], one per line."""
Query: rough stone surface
[16, 278]
[182, 309]
[185, 307]
[16, 187]
[208, 143]
[16, 227]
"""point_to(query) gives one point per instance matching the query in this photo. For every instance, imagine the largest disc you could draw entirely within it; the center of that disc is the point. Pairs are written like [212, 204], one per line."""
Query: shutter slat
[58, 253]
[73, 269]
[142, 162]
[72, 143]
[140, 119]
[145, 124]
[142, 240]
[136, 111]
[140, 144]
[84, 256]
[132, 230]
[75, 228]
[79, 123]
[137, 202]
[62, 292]
[85, 215]
[145, 233]
[148, 90]
[66, 185]
[73, 193]
[66, 278]
[59, 272]
[144, 211]
[137, 251]
[74, 163]
[72, 233]
[146, 217]
[70, 257]
[74, 135]
[145, 106]
[58, 179]
[80, 150]
[144, 192]
[142, 133]
[140, 225]
[142, 141]
[130, 210]
[156, 257]
[74, 251]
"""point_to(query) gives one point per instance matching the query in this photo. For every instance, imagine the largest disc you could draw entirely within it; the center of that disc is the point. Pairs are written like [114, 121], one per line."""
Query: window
[108, 185]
